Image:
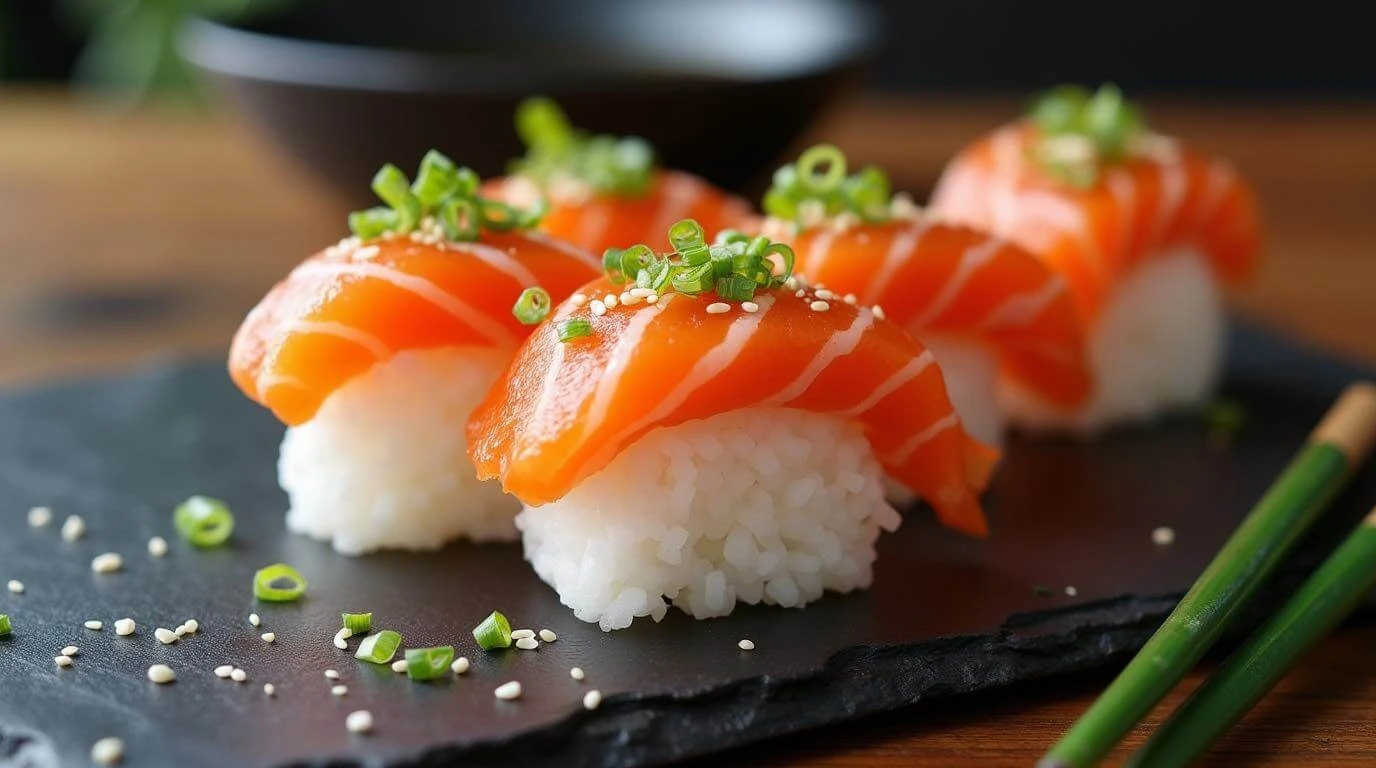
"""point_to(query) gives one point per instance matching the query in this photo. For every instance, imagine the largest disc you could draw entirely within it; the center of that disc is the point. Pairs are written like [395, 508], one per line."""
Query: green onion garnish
[379, 648]
[4, 625]
[278, 583]
[448, 193]
[203, 521]
[736, 288]
[493, 632]
[428, 663]
[1098, 128]
[621, 166]
[736, 265]
[817, 184]
[573, 328]
[532, 306]
[358, 623]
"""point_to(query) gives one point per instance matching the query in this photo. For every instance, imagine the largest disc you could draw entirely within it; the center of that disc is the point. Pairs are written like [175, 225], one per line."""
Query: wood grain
[126, 236]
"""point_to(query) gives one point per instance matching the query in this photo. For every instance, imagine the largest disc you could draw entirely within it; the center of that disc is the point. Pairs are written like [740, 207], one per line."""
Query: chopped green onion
[539, 120]
[4, 625]
[373, 222]
[460, 219]
[532, 306]
[379, 648]
[428, 663]
[438, 178]
[1104, 119]
[686, 234]
[729, 236]
[696, 255]
[865, 194]
[694, 280]
[828, 180]
[636, 258]
[493, 632]
[736, 288]
[868, 194]
[278, 583]
[203, 521]
[573, 328]
[1060, 110]
[723, 260]
[611, 263]
[357, 623]
[497, 216]
[622, 166]
[786, 254]
[736, 266]
[392, 186]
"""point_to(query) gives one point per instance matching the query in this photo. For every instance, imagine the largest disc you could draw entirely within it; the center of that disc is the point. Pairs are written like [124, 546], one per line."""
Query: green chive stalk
[1336, 446]
[1325, 599]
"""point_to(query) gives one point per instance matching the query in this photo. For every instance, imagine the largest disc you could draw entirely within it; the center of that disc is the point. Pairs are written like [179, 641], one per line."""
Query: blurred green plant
[132, 49]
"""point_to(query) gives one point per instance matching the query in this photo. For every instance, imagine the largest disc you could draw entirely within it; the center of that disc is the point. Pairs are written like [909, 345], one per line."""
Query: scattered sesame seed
[508, 691]
[107, 751]
[750, 306]
[548, 635]
[63, 661]
[577, 673]
[193, 626]
[791, 283]
[1071, 591]
[642, 293]
[180, 631]
[95, 624]
[800, 293]
[746, 645]
[1163, 536]
[824, 294]
[359, 722]
[224, 671]
[70, 650]
[628, 299]
[238, 675]
[341, 636]
[157, 546]
[598, 308]
[254, 620]
[877, 311]
[165, 636]
[718, 308]
[39, 517]
[15, 586]
[592, 699]
[161, 674]
[269, 637]
[331, 674]
[850, 298]
[339, 690]
[459, 666]
[367, 252]
[819, 306]
[399, 665]
[609, 300]
[521, 634]
[578, 299]
[73, 528]
[107, 563]
[269, 689]
[652, 299]
[527, 643]
[124, 627]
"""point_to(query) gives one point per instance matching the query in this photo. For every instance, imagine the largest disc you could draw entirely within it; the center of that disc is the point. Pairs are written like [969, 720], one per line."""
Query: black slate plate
[947, 615]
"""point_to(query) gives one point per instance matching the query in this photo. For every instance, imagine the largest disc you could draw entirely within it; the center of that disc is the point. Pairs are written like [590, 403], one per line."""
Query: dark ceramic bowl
[721, 87]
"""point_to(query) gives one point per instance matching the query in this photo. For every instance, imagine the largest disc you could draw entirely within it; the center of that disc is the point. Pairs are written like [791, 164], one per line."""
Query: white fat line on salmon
[375, 346]
[904, 245]
[907, 373]
[1021, 309]
[679, 193]
[550, 385]
[426, 290]
[971, 261]
[820, 245]
[1172, 196]
[1123, 189]
[596, 216]
[619, 358]
[499, 260]
[707, 368]
[1221, 179]
[907, 449]
[1007, 161]
[266, 384]
[1065, 217]
[839, 344]
[568, 249]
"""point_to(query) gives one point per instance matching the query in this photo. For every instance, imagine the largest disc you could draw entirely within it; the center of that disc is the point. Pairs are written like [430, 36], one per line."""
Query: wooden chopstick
[1337, 445]
[1324, 600]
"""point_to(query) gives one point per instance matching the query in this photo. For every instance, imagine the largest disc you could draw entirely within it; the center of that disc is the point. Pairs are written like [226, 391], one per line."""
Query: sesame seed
[819, 306]
[157, 546]
[367, 252]
[330, 674]
[824, 294]
[124, 627]
[598, 308]
[339, 690]
[107, 563]
[746, 645]
[193, 626]
[165, 636]
[460, 665]
[508, 691]
[527, 643]
[652, 299]
[718, 308]
[577, 673]
[800, 293]
[15, 586]
[548, 635]
[1071, 591]
[850, 298]
[161, 674]
[791, 283]
[359, 722]
[521, 634]
[95, 624]
[254, 620]
[341, 636]
[610, 301]
[592, 699]
[63, 661]
[181, 631]
[877, 311]
[399, 665]
[642, 293]
[73, 528]
[269, 689]
[70, 650]
[578, 299]
[629, 300]
[39, 517]
[107, 751]
[750, 306]
[269, 637]
[224, 671]
[238, 675]
[1163, 536]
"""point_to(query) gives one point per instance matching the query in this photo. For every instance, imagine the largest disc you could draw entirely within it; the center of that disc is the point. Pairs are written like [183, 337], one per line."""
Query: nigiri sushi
[374, 351]
[711, 431]
[1144, 232]
[984, 306]
[606, 191]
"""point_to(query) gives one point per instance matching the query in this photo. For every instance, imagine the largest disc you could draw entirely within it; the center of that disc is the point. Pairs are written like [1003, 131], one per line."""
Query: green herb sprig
[817, 181]
[445, 191]
[614, 165]
[1106, 122]
[735, 266]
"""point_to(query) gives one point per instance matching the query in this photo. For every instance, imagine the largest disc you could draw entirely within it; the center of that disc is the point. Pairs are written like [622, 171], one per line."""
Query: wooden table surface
[128, 236]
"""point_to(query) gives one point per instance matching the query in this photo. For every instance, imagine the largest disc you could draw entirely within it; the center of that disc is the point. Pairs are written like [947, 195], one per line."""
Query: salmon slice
[1096, 235]
[599, 221]
[932, 277]
[352, 306]
[564, 410]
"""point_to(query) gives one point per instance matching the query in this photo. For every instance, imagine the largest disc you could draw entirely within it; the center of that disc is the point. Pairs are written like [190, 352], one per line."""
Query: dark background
[1165, 45]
